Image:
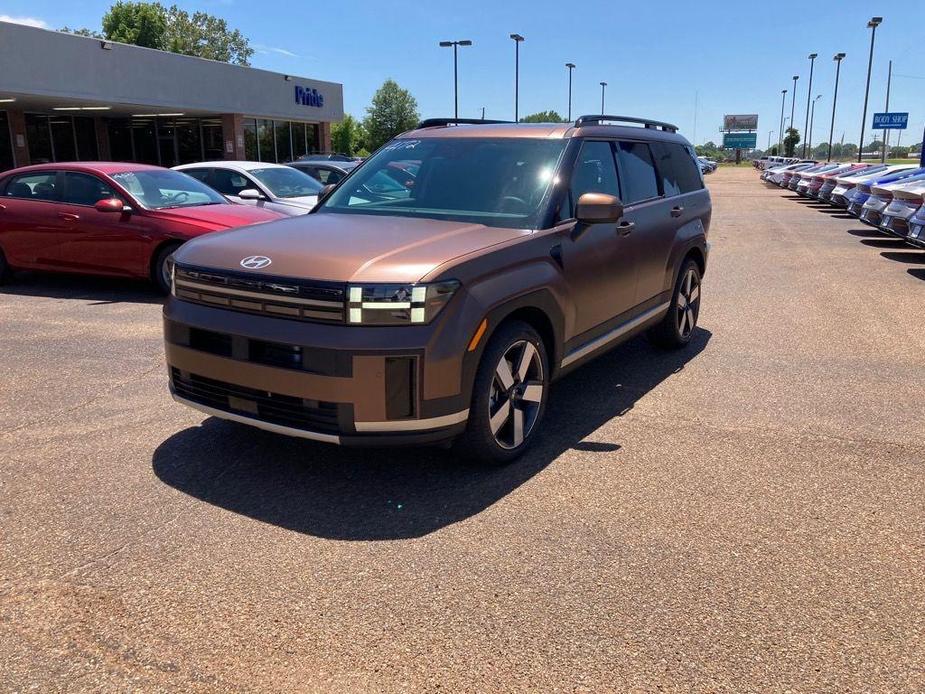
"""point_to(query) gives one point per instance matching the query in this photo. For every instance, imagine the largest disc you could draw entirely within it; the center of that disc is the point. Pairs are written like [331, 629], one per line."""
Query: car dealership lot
[745, 514]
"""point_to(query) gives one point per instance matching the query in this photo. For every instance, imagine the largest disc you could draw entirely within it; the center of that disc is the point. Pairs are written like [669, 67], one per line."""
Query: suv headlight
[397, 304]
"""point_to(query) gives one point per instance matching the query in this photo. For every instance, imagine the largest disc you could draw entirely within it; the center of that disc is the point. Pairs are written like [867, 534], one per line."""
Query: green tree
[152, 25]
[138, 23]
[347, 137]
[543, 117]
[874, 146]
[92, 33]
[791, 141]
[392, 111]
[899, 152]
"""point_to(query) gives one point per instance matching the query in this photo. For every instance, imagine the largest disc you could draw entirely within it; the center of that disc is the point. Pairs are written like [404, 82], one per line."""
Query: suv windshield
[499, 182]
[286, 182]
[158, 190]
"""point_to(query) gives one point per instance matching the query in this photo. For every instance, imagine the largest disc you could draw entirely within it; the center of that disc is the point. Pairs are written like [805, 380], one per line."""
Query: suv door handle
[68, 217]
[625, 228]
[676, 211]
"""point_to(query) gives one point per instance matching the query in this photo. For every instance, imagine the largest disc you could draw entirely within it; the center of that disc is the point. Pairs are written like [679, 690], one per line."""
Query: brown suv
[439, 288]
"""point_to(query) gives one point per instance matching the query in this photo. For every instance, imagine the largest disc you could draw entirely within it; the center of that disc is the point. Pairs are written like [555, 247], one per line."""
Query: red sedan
[107, 218]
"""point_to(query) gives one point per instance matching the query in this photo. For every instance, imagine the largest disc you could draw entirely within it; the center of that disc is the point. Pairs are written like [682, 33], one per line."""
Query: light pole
[809, 133]
[872, 25]
[770, 132]
[518, 39]
[603, 86]
[793, 103]
[809, 94]
[886, 133]
[780, 133]
[570, 66]
[455, 44]
[838, 57]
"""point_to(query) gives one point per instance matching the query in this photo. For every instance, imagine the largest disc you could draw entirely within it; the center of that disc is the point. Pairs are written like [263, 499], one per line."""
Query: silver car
[271, 186]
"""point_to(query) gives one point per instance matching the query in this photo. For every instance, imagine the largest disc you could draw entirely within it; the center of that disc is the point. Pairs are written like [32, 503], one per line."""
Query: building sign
[891, 121]
[740, 140]
[306, 96]
[748, 121]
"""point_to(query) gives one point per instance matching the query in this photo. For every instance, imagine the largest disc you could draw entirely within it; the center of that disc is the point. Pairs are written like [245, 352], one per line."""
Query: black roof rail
[437, 122]
[652, 124]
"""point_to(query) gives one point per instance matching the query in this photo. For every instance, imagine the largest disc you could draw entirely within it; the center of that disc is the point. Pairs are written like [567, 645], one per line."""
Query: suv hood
[345, 247]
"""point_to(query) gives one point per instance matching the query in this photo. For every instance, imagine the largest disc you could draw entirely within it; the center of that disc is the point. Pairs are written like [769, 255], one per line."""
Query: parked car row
[766, 162]
[890, 198]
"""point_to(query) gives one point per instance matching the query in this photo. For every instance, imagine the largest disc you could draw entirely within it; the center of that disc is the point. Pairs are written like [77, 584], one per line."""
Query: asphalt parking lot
[746, 515]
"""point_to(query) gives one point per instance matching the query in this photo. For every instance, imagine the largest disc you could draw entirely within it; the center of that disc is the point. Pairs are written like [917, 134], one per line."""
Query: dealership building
[65, 97]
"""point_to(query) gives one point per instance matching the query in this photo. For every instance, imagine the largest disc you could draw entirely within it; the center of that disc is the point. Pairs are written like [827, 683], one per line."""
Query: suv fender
[690, 237]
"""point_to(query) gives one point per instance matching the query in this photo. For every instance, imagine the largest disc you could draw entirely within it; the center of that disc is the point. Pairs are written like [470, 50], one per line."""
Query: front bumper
[331, 383]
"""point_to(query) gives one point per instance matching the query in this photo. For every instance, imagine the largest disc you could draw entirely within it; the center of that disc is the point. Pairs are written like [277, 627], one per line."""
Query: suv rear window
[637, 172]
[679, 171]
[500, 182]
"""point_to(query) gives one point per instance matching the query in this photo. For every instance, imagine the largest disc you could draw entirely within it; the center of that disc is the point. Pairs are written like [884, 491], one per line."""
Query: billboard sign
[740, 140]
[748, 121]
[891, 121]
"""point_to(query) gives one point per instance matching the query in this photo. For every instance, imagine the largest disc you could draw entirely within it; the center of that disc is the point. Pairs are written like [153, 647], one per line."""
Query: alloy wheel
[688, 303]
[516, 394]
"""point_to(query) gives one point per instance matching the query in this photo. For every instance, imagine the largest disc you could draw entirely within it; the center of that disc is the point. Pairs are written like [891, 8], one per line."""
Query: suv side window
[680, 173]
[637, 172]
[595, 171]
[84, 189]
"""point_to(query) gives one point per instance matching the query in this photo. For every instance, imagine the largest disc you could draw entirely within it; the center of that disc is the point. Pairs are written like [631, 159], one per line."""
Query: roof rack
[652, 124]
[437, 122]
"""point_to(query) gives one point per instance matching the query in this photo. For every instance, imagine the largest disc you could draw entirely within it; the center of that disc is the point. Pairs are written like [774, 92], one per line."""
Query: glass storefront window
[39, 139]
[311, 137]
[85, 133]
[250, 140]
[283, 140]
[189, 142]
[298, 140]
[144, 135]
[266, 146]
[212, 145]
[64, 147]
[6, 143]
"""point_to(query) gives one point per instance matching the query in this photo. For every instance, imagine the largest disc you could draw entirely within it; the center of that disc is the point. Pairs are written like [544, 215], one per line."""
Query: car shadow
[386, 494]
[911, 257]
[917, 272]
[865, 233]
[884, 242]
[99, 290]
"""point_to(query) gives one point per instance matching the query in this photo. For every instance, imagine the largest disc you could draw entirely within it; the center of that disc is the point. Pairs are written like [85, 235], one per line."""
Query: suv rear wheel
[509, 395]
[678, 325]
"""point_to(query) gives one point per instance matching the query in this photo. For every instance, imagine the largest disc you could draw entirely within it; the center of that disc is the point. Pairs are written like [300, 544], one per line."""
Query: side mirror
[250, 194]
[111, 205]
[325, 192]
[598, 208]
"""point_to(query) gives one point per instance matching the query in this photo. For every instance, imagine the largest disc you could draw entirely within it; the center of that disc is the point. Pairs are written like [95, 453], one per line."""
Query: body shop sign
[306, 96]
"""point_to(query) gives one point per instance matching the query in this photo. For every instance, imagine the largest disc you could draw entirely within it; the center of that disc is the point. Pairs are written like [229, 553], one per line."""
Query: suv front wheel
[509, 395]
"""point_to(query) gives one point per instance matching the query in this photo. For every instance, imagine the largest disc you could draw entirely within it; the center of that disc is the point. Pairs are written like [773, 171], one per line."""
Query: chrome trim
[212, 289]
[414, 424]
[260, 424]
[614, 334]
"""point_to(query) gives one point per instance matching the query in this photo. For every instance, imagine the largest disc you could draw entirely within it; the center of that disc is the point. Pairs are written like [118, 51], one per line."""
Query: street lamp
[793, 101]
[570, 66]
[838, 57]
[809, 93]
[603, 86]
[455, 44]
[780, 133]
[809, 133]
[872, 25]
[517, 41]
[770, 132]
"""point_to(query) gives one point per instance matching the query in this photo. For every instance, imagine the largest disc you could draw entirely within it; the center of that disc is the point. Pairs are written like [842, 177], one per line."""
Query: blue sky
[656, 57]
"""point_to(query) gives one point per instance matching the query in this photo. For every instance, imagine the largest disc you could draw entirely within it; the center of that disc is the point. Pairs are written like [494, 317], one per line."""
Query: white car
[880, 198]
[776, 175]
[272, 186]
[845, 184]
[907, 199]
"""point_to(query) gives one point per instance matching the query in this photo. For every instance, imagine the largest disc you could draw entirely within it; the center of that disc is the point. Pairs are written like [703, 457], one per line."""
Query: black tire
[497, 444]
[158, 268]
[678, 325]
[6, 274]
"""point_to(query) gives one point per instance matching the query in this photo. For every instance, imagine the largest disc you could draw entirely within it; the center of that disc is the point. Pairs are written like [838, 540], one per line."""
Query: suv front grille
[285, 410]
[278, 297]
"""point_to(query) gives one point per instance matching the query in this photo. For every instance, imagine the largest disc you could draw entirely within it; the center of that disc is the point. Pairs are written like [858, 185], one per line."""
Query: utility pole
[518, 39]
[838, 57]
[809, 133]
[793, 103]
[872, 25]
[570, 66]
[809, 94]
[603, 86]
[780, 133]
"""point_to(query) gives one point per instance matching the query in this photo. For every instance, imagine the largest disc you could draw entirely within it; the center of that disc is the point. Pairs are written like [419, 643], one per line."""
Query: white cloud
[260, 48]
[28, 21]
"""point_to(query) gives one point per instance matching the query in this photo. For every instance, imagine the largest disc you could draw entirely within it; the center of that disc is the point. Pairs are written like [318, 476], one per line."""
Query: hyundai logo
[255, 262]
